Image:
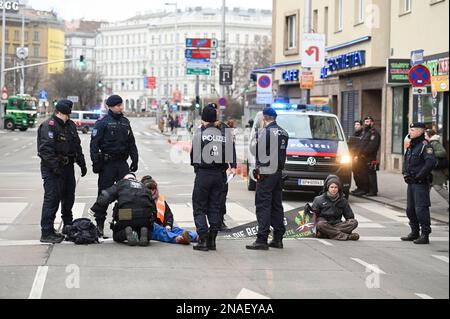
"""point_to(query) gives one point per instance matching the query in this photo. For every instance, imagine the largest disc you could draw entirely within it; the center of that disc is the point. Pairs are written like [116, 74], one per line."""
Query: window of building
[36, 36]
[315, 21]
[247, 38]
[185, 89]
[399, 118]
[361, 6]
[292, 32]
[36, 51]
[204, 87]
[339, 11]
[84, 42]
[16, 35]
[26, 36]
[326, 23]
[405, 6]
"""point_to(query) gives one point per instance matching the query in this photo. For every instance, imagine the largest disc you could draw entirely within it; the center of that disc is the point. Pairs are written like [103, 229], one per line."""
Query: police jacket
[58, 144]
[271, 140]
[354, 142]
[332, 210]
[419, 160]
[213, 148]
[370, 144]
[133, 199]
[112, 135]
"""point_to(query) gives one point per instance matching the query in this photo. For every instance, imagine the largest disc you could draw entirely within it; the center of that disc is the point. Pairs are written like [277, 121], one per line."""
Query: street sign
[198, 65]
[150, 82]
[74, 99]
[398, 70]
[419, 76]
[205, 60]
[313, 55]
[307, 80]
[201, 43]
[420, 91]
[22, 53]
[417, 57]
[198, 71]
[200, 54]
[264, 94]
[223, 102]
[226, 74]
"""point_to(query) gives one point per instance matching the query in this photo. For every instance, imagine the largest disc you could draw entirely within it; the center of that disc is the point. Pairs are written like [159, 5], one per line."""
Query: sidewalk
[392, 192]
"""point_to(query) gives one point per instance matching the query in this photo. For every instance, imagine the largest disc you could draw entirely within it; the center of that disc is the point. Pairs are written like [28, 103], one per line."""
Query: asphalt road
[378, 266]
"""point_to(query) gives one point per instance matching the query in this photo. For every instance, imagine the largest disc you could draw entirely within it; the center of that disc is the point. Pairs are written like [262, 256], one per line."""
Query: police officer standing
[59, 147]
[112, 143]
[354, 145]
[370, 144]
[212, 153]
[417, 167]
[273, 141]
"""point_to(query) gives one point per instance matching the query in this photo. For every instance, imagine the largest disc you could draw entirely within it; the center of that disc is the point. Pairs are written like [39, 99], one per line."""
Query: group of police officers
[213, 157]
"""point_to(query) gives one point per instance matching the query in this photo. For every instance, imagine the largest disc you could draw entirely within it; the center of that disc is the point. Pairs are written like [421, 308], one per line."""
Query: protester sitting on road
[330, 207]
[440, 173]
[134, 213]
[163, 229]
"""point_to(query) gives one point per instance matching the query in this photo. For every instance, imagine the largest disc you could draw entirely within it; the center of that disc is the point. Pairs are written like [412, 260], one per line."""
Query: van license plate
[310, 182]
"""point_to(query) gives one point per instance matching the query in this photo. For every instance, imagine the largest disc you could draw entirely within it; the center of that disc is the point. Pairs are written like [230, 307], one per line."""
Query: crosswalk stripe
[394, 239]
[239, 213]
[77, 210]
[362, 219]
[137, 133]
[424, 296]
[370, 225]
[441, 258]
[9, 212]
[383, 211]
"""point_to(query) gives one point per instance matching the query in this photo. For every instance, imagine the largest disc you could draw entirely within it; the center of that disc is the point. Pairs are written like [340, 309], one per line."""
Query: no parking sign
[264, 89]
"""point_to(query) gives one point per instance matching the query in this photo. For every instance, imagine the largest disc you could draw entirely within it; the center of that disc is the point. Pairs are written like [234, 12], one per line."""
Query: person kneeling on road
[134, 213]
[330, 207]
[163, 229]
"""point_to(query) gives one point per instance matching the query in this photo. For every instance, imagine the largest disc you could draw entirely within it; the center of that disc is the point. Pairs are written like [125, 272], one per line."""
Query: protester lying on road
[163, 229]
[330, 207]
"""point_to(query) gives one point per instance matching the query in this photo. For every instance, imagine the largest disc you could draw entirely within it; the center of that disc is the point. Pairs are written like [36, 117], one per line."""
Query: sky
[116, 10]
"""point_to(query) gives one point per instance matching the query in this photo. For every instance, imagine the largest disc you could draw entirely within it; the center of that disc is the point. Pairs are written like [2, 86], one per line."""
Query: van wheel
[23, 129]
[9, 125]
[85, 130]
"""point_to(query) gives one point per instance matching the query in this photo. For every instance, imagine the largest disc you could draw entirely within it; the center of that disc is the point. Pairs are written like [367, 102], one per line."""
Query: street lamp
[175, 4]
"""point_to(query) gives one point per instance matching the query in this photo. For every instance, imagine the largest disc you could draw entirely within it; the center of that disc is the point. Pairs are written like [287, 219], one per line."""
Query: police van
[85, 120]
[317, 148]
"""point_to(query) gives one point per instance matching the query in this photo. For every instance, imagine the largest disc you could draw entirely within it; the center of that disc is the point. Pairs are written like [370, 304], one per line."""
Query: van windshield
[311, 127]
[91, 116]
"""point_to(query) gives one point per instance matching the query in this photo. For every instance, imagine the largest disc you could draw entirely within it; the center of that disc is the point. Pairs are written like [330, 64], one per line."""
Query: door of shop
[350, 107]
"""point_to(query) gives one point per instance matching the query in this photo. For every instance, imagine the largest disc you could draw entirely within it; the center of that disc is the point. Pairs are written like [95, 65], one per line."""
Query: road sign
[198, 71]
[313, 45]
[419, 76]
[200, 54]
[150, 82]
[417, 57]
[43, 95]
[307, 80]
[226, 74]
[223, 101]
[264, 94]
[205, 60]
[198, 65]
[22, 53]
[74, 99]
[420, 91]
[201, 43]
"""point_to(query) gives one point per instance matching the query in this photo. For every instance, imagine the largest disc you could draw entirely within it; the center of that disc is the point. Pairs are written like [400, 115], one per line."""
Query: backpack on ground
[82, 232]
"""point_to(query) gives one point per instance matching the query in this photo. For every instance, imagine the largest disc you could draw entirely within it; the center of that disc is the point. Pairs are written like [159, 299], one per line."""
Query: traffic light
[55, 102]
[197, 102]
[100, 84]
[82, 61]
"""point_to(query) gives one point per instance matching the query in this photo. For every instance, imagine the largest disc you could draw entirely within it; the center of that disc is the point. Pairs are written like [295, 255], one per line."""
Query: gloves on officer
[83, 171]
[134, 167]
[96, 167]
[409, 179]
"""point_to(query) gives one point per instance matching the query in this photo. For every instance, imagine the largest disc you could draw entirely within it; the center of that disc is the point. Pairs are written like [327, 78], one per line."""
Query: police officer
[212, 153]
[112, 143]
[370, 144]
[59, 147]
[273, 141]
[354, 145]
[134, 213]
[417, 167]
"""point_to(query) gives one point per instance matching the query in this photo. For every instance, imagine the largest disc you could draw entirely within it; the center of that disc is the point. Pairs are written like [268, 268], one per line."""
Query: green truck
[20, 112]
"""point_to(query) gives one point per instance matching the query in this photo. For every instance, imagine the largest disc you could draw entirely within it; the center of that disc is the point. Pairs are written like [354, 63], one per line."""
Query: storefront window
[399, 119]
[433, 110]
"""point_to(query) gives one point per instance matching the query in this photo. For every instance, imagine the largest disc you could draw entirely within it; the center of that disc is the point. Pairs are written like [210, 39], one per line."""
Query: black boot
[212, 240]
[422, 240]
[411, 237]
[257, 246]
[276, 244]
[100, 228]
[202, 244]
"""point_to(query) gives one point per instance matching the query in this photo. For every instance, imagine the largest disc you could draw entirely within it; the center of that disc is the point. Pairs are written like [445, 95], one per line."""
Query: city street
[378, 266]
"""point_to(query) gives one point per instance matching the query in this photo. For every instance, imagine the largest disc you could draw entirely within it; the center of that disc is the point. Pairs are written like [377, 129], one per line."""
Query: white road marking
[249, 294]
[10, 211]
[322, 241]
[441, 258]
[383, 211]
[288, 207]
[137, 133]
[148, 134]
[239, 213]
[424, 296]
[394, 239]
[8, 243]
[369, 266]
[39, 282]
[370, 225]
[16, 190]
[12, 197]
[77, 210]
[362, 219]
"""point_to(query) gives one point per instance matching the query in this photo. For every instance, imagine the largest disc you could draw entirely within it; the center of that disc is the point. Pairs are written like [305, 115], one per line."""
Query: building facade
[154, 44]
[361, 36]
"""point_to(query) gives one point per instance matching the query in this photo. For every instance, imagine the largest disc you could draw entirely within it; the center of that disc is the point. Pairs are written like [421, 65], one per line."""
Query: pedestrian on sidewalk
[354, 145]
[440, 172]
[418, 164]
[330, 207]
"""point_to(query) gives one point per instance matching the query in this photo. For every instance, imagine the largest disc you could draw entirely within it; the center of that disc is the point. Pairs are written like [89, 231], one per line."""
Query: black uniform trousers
[206, 200]
[269, 207]
[418, 208]
[357, 174]
[368, 179]
[223, 198]
[112, 172]
[57, 189]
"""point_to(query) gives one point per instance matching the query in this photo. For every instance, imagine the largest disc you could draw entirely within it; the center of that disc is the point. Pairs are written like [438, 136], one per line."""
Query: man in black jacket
[59, 147]
[330, 207]
[354, 145]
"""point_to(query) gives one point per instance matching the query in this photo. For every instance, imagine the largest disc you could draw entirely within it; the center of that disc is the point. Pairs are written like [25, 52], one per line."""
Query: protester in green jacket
[440, 173]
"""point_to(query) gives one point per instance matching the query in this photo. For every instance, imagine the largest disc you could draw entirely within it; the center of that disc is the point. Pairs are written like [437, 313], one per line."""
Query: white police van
[85, 120]
[317, 148]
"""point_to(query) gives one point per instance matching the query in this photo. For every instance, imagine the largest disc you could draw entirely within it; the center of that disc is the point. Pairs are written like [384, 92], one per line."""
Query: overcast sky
[115, 10]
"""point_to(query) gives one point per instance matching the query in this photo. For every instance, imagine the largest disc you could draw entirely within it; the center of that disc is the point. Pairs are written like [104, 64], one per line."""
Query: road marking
[77, 210]
[39, 282]
[383, 211]
[288, 207]
[441, 258]
[137, 133]
[369, 266]
[424, 296]
[86, 197]
[148, 134]
[7, 154]
[249, 294]
[10, 211]
[322, 241]
[16, 190]
[8, 243]
[394, 239]
[370, 225]
[239, 213]
[362, 219]
[12, 197]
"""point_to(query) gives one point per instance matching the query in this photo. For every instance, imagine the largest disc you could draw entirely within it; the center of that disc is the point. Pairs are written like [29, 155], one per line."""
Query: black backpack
[82, 232]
